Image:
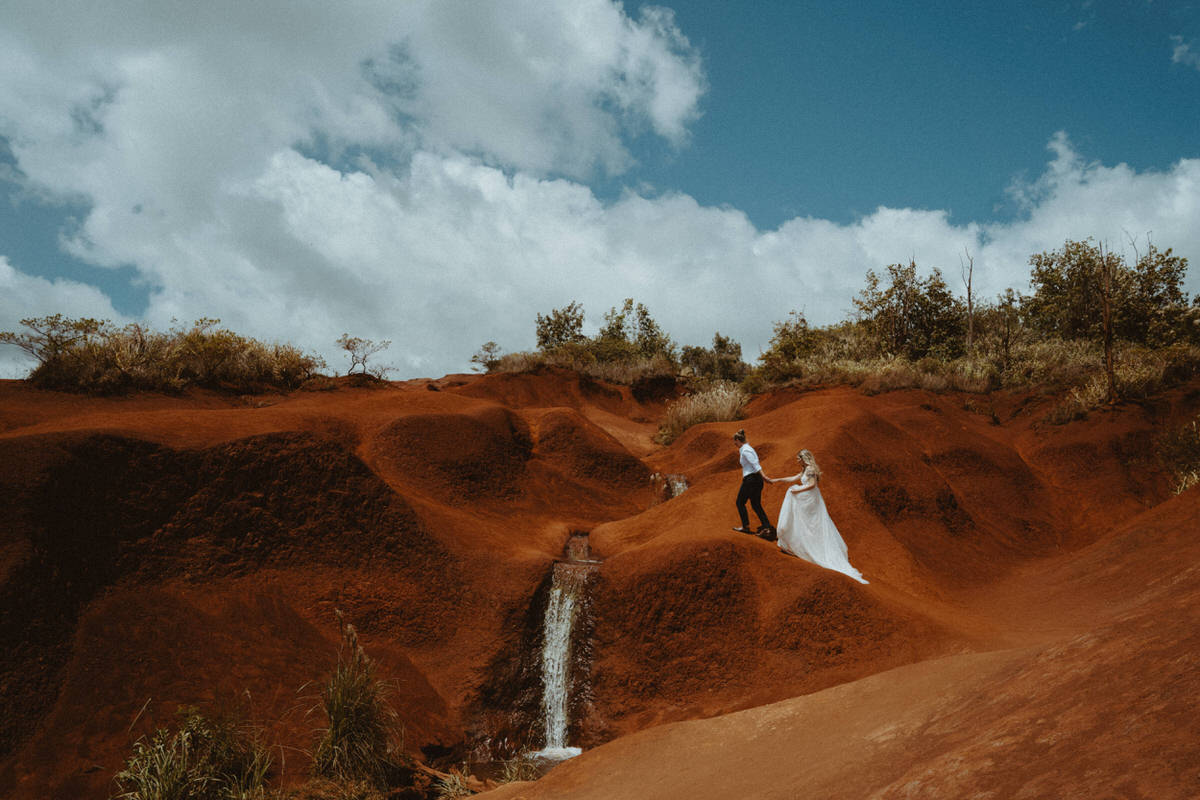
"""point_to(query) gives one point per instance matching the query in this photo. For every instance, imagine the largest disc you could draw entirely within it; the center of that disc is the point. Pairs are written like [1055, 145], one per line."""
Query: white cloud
[196, 135]
[1182, 53]
[453, 252]
[1076, 199]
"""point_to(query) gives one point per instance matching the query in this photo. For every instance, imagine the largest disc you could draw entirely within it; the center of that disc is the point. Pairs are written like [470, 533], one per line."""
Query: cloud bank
[1182, 53]
[419, 172]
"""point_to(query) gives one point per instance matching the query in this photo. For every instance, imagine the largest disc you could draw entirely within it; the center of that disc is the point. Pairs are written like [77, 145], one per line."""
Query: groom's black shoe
[744, 530]
[767, 532]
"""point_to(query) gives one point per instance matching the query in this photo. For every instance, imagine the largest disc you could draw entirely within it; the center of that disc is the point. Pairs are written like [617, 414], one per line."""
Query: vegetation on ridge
[91, 355]
[1095, 327]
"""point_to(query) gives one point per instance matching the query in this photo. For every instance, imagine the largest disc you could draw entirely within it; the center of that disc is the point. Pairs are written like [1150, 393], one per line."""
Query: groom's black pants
[752, 486]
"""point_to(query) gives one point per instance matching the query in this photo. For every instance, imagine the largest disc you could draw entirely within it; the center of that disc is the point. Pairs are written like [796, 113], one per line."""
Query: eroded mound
[455, 457]
[552, 387]
[585, 452]
[709, 626]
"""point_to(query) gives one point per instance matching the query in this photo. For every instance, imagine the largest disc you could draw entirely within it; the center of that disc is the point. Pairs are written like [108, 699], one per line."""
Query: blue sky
[834, 109]
[437, 173]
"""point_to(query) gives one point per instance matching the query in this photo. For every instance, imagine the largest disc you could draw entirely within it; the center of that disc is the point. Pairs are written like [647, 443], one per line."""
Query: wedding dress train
[806, 530]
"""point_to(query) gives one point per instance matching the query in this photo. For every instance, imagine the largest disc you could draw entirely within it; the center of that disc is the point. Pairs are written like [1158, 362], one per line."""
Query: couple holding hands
[805, 528]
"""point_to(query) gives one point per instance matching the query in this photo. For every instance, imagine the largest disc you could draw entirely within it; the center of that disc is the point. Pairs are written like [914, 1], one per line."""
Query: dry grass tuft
[1140, 372]
[452, 785]
[356, 745]
[1180, 453]
[520, 768]
[722, 402]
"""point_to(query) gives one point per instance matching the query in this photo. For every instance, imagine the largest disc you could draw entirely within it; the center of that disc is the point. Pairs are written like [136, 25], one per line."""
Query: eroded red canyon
[1030, 629]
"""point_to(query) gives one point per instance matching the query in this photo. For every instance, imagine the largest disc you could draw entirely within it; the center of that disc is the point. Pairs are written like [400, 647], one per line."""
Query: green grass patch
[359, 741]
[202, 759]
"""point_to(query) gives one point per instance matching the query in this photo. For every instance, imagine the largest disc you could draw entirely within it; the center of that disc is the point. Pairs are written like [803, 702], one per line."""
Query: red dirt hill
[1029, 586]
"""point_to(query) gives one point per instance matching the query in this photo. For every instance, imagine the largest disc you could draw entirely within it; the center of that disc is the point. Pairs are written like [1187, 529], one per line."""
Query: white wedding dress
[805, 530]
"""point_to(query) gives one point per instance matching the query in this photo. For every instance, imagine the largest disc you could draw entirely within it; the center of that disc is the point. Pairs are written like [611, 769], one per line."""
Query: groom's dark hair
[740, 435]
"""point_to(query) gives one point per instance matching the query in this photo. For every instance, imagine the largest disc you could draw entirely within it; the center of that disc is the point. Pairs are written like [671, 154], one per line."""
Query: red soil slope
[1105, 709]
[168, 551]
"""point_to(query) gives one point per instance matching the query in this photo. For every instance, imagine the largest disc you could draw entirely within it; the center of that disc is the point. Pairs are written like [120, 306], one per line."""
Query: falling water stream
[668, 485]
[566, 590]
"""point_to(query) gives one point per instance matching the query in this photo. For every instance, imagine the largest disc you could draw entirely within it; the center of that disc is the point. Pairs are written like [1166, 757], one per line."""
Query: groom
[751, 489]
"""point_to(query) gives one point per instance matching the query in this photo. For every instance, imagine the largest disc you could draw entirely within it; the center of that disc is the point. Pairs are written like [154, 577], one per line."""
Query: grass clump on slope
[356, 745]
[1180, 452]
[202, 760]
[721, 402]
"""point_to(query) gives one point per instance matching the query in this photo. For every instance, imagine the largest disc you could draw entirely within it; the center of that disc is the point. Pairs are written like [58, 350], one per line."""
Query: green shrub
[1149, 305]
[720, 403]
[721, 362]
[561, 326]
[910, 316]
[629, 346]
[356, 745]
[488, 358]
[202, 760]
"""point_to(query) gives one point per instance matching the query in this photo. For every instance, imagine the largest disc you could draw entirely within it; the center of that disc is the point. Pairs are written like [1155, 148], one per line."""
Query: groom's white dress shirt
[749, 460]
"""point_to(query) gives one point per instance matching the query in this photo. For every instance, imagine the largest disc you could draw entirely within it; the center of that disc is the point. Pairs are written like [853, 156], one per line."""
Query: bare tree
[487, 358]
[1106, 266]
[358, 350]
[968, 275]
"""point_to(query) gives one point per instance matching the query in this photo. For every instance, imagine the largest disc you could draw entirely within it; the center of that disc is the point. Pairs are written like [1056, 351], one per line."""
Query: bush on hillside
[562, 326]
[360, 350]
[910, 316]
[488, 358]
[630, 347]
[1140, 372]
[1148, 303]
[721, 362]
[630, 333]
[88, 355]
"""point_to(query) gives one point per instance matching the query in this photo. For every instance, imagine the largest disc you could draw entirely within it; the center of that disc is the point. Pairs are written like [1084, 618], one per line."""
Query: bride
[804, 528]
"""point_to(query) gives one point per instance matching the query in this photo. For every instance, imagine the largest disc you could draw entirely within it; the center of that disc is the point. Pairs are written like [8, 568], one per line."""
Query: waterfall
[566, 590]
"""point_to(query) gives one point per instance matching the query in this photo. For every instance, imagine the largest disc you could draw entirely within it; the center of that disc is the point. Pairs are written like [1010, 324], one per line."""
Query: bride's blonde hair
[810, 462]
